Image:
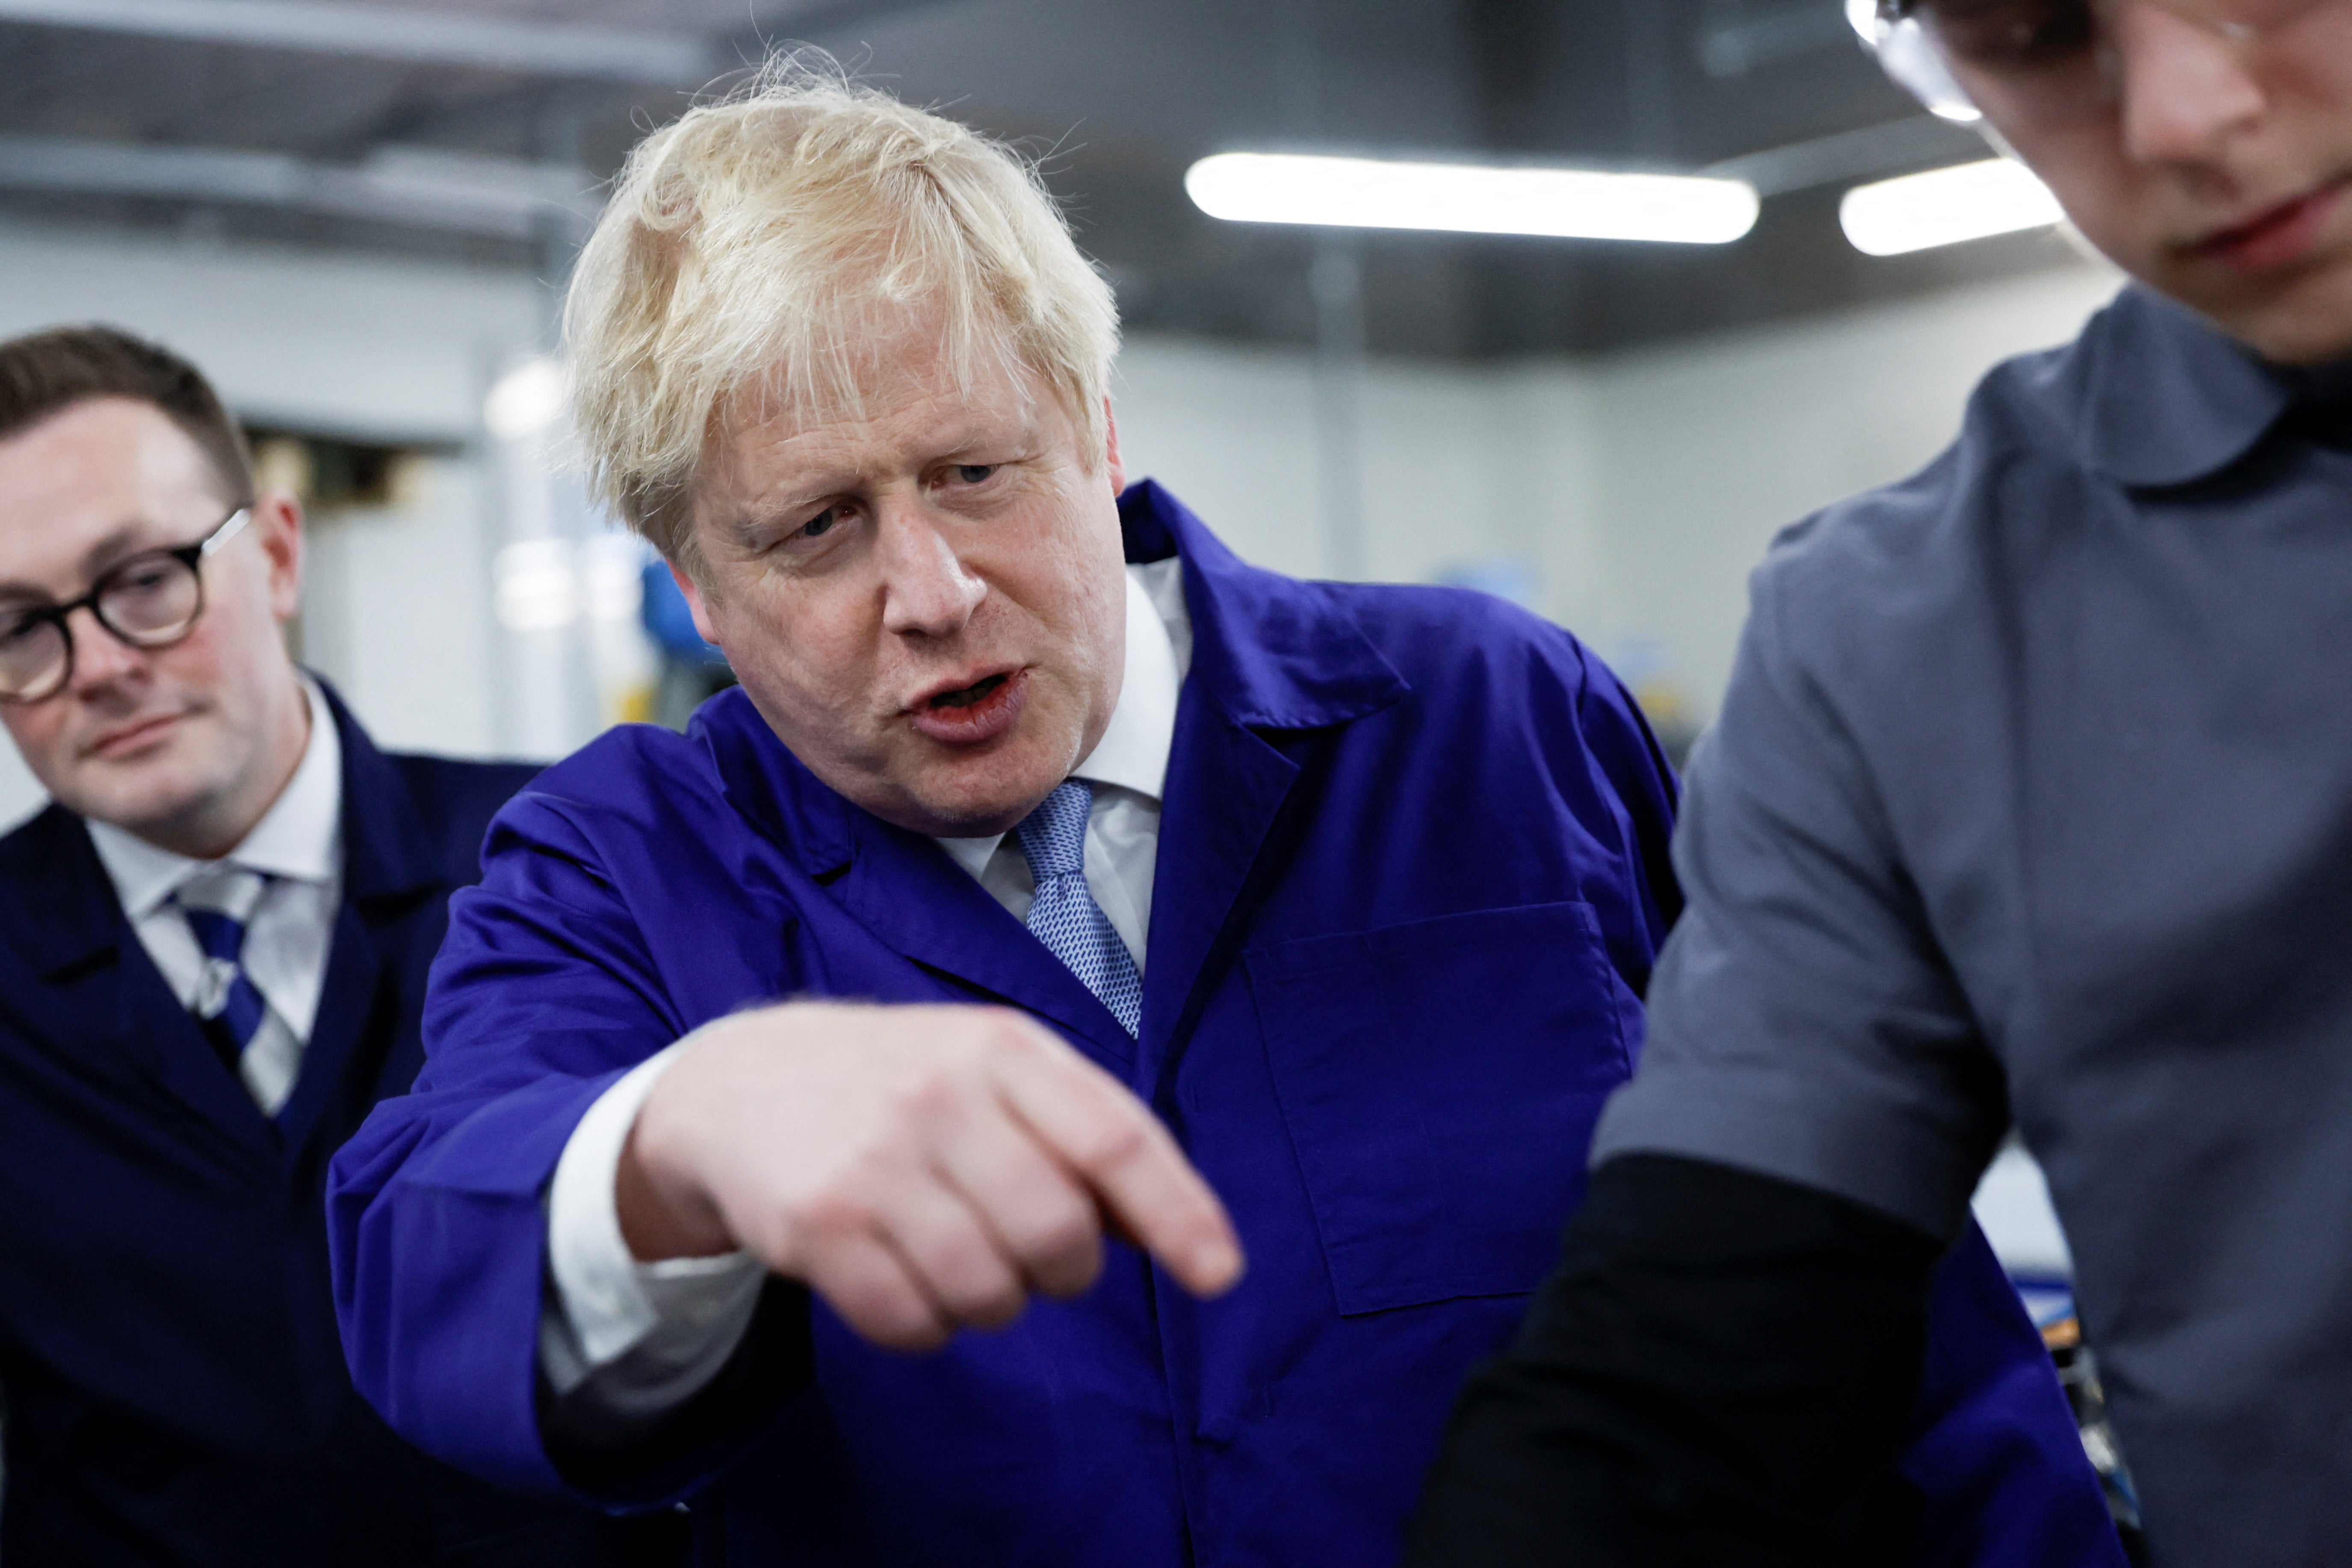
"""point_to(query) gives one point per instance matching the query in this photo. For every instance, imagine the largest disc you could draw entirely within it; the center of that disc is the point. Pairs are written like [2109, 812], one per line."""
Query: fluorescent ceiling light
[1945, 207]
[1465, 198]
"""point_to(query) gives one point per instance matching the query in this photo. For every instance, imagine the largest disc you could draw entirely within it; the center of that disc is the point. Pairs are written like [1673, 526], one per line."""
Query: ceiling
[476, 128]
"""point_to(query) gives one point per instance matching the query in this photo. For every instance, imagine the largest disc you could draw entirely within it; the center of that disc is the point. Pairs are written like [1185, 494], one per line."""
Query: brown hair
[46, 372]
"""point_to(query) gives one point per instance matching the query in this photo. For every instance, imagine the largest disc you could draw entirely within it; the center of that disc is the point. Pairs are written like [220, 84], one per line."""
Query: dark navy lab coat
[175, 1392]
[1411, 876]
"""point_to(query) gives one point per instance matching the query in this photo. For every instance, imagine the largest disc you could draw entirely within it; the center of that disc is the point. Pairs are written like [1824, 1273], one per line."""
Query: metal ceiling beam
[1750, 40]
[413, 188]
[382, 31]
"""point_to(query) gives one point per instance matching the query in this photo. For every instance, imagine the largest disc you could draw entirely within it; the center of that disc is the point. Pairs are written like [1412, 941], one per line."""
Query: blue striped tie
[1065, 916]
[228, 1005]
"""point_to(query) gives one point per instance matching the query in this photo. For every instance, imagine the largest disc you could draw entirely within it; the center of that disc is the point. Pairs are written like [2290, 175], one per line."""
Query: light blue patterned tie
[228, 1003]
[1065, 916]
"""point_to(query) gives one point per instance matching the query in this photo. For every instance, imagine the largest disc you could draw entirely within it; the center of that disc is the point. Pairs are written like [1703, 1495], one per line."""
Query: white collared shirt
[1128, 767]
[638, 1339]
[298, 845]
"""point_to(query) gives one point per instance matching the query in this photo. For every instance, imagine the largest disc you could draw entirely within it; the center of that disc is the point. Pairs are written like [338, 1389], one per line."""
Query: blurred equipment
[566, 583]
[692, 671]
[2078, 1374]
[1649, 673]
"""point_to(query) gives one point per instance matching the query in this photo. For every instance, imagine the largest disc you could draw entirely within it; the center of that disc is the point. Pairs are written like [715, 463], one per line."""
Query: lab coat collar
[1274, 653]
[1268, 655]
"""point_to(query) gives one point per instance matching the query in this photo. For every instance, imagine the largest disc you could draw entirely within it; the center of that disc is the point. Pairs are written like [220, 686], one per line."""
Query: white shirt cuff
[647, 1334]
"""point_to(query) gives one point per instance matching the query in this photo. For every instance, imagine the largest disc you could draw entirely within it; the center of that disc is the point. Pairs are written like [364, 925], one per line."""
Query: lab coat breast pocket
[1440, 1081]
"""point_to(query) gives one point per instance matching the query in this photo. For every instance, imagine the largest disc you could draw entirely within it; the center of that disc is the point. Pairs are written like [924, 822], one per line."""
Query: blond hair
[761, 250]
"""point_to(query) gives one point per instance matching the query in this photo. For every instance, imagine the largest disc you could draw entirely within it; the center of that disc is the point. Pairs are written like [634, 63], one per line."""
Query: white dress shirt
[298, 845]
[638, 1339]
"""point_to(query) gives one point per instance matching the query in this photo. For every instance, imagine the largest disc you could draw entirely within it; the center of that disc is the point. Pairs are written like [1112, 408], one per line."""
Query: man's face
[2205, 146]
[928, 604]
[187, 744]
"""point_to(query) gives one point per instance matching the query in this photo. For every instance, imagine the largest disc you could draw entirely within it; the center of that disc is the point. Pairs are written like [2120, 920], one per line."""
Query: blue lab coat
[1412, 875]
[174, 1389]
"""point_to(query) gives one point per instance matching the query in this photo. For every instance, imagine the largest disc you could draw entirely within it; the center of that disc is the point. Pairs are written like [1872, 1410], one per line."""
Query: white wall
[1444, 477]
[1710, 448]
[1642, 486]
[397, 613]
[378, 348]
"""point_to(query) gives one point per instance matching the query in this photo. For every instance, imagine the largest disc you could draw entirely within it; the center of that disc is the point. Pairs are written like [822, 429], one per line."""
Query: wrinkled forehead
[908, 395]
[863, 351]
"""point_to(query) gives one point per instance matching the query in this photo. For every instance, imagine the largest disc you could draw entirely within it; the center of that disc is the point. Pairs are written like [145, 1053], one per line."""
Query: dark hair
[45, 373]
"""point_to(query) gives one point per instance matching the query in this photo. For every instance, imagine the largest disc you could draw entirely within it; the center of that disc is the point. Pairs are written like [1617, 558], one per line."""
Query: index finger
[1114, 1144]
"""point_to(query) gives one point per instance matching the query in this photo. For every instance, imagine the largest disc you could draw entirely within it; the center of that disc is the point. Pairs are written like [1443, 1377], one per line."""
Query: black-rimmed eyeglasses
[149, 600]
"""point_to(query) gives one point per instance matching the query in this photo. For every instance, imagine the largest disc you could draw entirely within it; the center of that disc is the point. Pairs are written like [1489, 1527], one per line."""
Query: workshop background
[357, 216]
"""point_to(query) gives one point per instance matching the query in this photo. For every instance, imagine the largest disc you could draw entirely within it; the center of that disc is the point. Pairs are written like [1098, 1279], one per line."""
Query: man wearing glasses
[2031, 805]
[212, 948]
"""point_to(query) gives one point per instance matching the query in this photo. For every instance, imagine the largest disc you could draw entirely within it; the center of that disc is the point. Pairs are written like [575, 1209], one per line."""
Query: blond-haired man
[1100, 869]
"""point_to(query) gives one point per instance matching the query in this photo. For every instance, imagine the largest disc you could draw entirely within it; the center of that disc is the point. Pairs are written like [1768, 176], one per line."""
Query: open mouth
[965, 697]
[969, 715]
